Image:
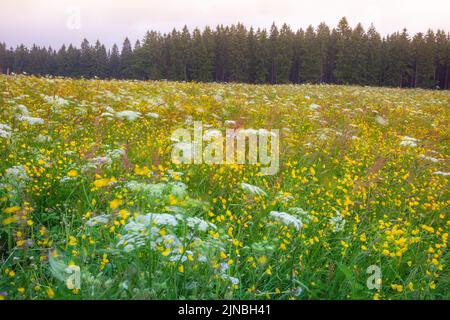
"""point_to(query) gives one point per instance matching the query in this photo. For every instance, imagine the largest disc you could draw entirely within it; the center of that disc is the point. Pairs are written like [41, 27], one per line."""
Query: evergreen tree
[358, 44]
[310, 58]
[87, 62]
[154, 63]
[285, 54]
[373, 57]
[423, 51]
[101, 60]
[323, 39]
[201, 60]
[261, 62]
[73, 62]
[273, 53]
[442, 60]
[342, 55]
[126, 57]
[208, 63]
[3, 59]
[221, 53]
[398, 66]
[237, 53]
[61, 62]
[21, 59]
[114, 62]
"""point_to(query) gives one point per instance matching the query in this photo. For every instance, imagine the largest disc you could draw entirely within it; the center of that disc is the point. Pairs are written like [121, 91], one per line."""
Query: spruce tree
[126, 58]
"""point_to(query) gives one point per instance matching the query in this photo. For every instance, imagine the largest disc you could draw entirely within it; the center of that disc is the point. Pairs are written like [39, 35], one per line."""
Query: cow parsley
[31, 120]
[154, 190]
[286, 219]
[253, 189]
[408, 142]
[337, 222]
[5, 131]
[441, 173]
[128, 115]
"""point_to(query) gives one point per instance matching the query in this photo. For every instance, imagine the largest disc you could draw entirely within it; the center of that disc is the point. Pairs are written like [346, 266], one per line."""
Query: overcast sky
[54, 22]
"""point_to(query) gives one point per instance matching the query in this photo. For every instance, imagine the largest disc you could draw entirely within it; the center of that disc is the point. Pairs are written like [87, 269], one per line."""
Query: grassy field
[92, 206]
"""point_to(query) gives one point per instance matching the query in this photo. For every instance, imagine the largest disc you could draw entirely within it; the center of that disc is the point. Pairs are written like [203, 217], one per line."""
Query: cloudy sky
[53, 22]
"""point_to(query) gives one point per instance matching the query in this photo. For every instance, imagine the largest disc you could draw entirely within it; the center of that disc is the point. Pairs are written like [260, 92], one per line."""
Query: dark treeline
[341, 55]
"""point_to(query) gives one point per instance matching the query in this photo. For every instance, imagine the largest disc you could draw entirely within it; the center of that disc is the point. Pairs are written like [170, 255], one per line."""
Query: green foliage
[342, 55]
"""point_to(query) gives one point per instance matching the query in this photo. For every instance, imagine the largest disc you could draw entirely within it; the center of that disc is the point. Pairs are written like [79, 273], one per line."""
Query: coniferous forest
[342, 55]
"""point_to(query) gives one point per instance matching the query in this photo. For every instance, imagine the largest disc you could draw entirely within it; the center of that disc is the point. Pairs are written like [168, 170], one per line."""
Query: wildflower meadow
[93, 204]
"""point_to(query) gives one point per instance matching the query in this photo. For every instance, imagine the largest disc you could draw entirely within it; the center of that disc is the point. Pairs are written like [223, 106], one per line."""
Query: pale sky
[54, 22]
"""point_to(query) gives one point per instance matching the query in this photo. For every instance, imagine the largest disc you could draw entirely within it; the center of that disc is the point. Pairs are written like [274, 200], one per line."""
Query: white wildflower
[199, 224]
[5, 127]
[43, 138]
[408, 142]
[56, 101]
[100, 161]
[337, 222]
[284, 196]
[154, 190]
[153, 115]
[17, 173]
[218, 98]
[431, 159]
[107, 115]
[22, 110]
[178, 189]
[31, 120]
[128, 115]
[233, 280]
[223, 267]
[286, 219]
[301, 213]
[110, 110]
[5, 131]
[253, 189]
[381, 121]
[163, 219]
[230, 122]
[313, 106]
[441, 173]
[115, 153]
[101, 219]
[67, 179]
[172, 174]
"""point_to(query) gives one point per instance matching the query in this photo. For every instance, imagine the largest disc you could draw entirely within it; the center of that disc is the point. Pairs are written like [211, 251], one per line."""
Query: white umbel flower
[313, 106]
[128, 115]
[440, 173]
[22, 110]
[31, 120]
[153, 115]
[199, 224]
[5, 131]
[253, 189]
[409, 142]
[337, 222]
[286, 219]
[164, 219]
[98, 220]
[431, 159]
[17, 173]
